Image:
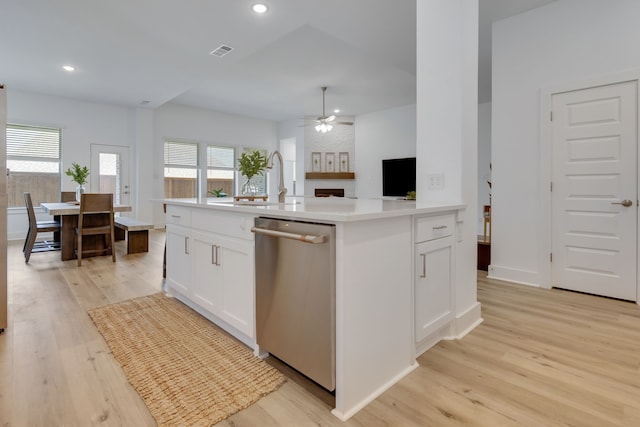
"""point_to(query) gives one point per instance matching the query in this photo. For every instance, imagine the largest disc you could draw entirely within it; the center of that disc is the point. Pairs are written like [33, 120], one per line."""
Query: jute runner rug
[187, 371]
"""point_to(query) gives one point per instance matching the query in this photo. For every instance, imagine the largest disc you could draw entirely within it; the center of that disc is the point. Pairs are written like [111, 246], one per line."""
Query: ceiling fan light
[323, 127]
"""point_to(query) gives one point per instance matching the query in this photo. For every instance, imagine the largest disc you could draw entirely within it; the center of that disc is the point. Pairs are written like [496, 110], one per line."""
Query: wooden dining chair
[67, 196]
[35, 227]
[96, 218]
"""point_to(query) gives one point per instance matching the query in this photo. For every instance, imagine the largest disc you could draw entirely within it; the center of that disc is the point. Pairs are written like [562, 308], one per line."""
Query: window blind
[180, 154]
[33, 143]
[220, 157]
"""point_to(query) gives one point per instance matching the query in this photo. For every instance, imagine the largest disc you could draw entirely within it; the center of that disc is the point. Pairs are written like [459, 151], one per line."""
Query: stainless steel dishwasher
[295, 295]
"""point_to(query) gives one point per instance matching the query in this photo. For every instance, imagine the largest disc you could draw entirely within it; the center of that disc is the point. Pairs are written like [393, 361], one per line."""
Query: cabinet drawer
[178, 215]
[227, 223]
[434, 227]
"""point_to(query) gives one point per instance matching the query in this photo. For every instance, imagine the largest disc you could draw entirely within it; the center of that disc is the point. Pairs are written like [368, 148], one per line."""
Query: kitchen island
[394, 279]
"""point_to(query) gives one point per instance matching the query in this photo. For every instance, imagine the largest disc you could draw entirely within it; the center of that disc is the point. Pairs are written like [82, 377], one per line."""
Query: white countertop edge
[300, 211]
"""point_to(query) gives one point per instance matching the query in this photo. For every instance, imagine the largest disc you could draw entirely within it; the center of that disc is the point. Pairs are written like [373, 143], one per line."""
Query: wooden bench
[137, 233]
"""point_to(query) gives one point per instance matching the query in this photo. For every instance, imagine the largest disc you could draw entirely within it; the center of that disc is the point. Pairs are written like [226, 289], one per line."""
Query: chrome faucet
[281, 188]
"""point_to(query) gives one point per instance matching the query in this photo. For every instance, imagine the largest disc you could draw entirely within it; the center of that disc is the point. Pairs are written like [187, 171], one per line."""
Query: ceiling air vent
[221, 51]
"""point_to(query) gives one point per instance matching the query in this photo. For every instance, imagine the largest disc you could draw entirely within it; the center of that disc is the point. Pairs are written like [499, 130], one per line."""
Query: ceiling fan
[325, 123]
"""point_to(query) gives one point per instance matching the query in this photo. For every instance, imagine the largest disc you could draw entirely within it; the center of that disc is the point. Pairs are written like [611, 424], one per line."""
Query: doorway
[110, 171]
[288, 151]
[594, 212]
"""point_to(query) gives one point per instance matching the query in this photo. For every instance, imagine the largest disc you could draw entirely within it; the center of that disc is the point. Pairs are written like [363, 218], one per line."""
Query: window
[180, 169]
[184, 177]
[220, 170]
[33, 160]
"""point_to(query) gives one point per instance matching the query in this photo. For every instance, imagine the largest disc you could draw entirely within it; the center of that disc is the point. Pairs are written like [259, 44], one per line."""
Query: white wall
[82, 123]
[381, 135]
[565, 42]
[484, 160]
[182, 123]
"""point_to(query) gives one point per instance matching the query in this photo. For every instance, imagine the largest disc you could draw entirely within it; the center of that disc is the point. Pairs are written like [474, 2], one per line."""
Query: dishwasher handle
[306, 238]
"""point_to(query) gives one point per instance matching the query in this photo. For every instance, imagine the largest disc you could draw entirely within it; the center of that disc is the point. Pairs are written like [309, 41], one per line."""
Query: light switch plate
[435, 181]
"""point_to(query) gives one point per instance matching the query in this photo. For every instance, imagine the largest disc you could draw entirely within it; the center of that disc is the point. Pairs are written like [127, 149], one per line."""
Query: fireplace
[329, 192]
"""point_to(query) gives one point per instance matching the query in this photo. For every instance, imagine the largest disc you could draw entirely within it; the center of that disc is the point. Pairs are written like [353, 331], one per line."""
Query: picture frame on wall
[316, 162]
[343, 161]
[330, 162]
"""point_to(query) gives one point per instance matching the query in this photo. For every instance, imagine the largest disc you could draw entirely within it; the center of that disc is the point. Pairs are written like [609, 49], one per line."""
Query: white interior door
[110, 172]
[594, 196]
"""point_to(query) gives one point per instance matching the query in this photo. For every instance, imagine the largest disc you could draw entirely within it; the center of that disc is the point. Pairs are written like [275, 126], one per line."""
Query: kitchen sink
[262, 203]
[255, 203]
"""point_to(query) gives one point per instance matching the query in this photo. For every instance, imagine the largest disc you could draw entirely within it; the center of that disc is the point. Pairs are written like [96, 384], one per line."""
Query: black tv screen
[398, 176]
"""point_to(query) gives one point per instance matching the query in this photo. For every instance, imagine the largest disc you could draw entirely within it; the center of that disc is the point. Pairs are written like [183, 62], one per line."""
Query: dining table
[69, 212]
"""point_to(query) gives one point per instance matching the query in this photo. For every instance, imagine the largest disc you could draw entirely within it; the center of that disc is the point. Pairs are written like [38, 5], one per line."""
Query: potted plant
[78, 175]
[217, 192]
[250, 164]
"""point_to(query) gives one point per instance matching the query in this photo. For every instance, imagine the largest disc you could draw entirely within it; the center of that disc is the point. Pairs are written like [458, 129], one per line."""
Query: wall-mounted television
[398, 176]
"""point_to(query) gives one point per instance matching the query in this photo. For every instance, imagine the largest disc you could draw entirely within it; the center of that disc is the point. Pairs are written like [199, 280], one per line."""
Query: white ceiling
[127, 52]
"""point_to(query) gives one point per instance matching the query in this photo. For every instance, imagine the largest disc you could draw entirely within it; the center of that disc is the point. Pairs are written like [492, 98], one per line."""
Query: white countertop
[335, 209]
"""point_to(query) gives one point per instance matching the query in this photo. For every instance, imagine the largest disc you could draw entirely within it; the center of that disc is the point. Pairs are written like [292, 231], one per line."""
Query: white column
[143, 170]
[447, 110]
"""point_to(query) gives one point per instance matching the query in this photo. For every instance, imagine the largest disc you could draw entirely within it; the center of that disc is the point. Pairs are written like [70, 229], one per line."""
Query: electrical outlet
[435, 181]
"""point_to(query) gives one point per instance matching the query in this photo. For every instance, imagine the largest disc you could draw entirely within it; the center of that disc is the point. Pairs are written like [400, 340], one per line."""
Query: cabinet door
[237, 305]
[178, 259]
[205, 290]
[433, 298]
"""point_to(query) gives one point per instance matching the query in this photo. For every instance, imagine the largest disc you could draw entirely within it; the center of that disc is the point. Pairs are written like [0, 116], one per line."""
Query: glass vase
[249, 188]
[79, 191]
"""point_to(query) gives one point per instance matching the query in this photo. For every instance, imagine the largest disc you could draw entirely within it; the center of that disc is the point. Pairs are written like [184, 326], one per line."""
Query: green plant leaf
[252, 163]
[78, 173]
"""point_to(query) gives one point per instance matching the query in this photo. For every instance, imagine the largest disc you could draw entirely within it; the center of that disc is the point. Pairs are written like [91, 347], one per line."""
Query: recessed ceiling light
[259, 8]
[337, 110]
[68, 68]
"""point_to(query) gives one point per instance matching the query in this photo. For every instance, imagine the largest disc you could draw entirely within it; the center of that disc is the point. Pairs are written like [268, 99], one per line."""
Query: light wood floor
[541, 358]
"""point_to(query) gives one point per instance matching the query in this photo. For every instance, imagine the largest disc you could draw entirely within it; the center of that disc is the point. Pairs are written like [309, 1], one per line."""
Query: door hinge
[550, 257]
[551, 186]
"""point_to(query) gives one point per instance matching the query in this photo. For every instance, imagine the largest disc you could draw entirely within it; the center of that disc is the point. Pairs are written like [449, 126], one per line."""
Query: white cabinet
[213, 271]
[178, 258]
[433, 290]
[205, 290]
[236, 266]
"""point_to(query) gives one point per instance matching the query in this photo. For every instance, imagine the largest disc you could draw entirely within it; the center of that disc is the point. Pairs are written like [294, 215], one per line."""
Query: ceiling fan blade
[330, 118]
[343, 123]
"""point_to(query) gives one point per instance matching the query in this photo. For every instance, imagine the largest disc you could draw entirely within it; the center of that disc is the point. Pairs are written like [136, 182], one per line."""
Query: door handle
[424, 265]
[626, 203]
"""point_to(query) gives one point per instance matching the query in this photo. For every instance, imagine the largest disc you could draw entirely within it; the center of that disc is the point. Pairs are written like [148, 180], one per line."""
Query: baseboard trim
[522, 277]
[467, 321]
[345, 415]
